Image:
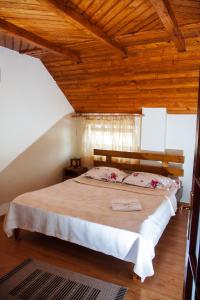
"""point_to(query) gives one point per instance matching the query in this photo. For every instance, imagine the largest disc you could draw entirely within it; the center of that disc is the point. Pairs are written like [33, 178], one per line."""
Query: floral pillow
[149, 180]
[106, 174]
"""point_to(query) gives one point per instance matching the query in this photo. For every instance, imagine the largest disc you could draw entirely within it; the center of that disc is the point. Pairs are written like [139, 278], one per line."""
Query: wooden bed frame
[170, 163]
[163, 163]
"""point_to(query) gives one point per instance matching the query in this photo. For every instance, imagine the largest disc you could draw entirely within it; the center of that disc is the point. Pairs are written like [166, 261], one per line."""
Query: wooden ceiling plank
[155, 25]
[69, 13]
[152, 37]
[37, 40]
[94, 8]
[187, 10]
[115, 12]
[187, 3]
[143, 14]
[133, 14]
[138, 13]
[119, 20]
[103, 11]
[166, 14]
[141, 26]
[84, 5]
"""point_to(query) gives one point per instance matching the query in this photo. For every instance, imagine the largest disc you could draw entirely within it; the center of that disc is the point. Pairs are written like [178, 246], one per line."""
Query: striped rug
[36, 280]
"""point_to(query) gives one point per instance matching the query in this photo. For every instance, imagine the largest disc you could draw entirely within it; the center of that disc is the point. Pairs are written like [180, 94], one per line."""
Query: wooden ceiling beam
[68, 13]
[30, 51]
[167, 17]
[37, 40]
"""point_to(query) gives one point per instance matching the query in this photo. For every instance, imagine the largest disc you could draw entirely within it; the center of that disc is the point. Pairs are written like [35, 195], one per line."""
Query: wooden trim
[166, 168]
[167, 17]
[77, 115]
[175, 156]
[69, 13]
[37, 40]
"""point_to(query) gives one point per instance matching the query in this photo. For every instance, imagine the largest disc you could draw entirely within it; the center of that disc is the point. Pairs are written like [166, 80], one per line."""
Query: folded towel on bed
[126, 205]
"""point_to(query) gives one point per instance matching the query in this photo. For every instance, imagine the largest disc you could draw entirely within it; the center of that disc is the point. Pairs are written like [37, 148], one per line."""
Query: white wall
[41, 164]
[181, 131]
[30, 103]
[153, 130]
[178, 132]
[37, 134]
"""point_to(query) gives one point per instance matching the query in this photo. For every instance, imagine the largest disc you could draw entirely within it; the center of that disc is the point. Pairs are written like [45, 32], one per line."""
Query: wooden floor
[166, 284]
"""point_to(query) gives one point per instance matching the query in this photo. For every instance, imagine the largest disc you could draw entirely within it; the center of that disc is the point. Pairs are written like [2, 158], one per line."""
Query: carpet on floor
[36, 280]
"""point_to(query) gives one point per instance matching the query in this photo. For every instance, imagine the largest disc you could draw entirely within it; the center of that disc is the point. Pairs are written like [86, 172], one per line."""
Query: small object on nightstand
[75, 162]
[71, 172]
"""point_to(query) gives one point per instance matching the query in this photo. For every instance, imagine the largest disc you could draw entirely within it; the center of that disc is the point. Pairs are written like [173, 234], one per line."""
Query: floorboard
[166, 284]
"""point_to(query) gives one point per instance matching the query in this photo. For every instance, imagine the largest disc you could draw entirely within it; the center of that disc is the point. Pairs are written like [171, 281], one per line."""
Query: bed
[79, 211]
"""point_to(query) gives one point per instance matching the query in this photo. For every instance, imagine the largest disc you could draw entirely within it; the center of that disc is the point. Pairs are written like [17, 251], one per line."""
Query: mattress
[79, 211]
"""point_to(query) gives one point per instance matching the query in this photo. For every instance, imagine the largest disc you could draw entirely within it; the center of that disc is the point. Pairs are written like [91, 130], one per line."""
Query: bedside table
[70, 172]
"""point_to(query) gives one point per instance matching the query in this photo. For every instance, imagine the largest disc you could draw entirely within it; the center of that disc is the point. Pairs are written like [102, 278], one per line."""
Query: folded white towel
[126, 205]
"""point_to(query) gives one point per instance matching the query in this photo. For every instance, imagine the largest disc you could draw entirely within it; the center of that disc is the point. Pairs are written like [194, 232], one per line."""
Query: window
[110, 133]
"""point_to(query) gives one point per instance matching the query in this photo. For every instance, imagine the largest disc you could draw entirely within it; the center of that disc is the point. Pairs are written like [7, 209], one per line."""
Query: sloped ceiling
[110, 55]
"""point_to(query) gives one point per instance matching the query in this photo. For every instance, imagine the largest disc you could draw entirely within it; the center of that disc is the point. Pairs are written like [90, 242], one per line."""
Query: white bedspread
[80, 211]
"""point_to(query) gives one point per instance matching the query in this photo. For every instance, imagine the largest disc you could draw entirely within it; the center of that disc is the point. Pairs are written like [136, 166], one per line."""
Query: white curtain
[109, 133]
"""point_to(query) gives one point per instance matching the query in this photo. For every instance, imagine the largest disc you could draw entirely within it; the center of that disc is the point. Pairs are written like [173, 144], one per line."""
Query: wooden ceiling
[111, 55]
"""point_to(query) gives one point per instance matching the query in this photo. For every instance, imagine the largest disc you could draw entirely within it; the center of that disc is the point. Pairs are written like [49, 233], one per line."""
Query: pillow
[176, 181]
[106, 174]
[149, 180]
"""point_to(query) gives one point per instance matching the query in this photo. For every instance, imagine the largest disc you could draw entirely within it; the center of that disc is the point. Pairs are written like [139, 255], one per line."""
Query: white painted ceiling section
[30, 103]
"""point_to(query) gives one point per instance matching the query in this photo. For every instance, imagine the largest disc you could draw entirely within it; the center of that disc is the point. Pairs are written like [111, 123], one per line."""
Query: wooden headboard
[166, 163]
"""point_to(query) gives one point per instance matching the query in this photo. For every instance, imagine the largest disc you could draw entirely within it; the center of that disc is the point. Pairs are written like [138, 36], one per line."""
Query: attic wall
[30, 103]
[40, 165]
[35, 139]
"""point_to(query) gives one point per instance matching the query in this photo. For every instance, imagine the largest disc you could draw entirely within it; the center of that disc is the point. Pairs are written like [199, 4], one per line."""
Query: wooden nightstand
[70, 172]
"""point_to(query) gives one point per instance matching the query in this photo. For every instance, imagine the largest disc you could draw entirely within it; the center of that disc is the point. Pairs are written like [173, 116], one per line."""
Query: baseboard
[4, 208]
